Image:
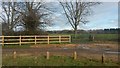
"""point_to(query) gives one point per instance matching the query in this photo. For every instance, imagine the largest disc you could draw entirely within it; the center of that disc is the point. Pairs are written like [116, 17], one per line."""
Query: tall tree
[34, 15]
[76, 12]
[9, 16]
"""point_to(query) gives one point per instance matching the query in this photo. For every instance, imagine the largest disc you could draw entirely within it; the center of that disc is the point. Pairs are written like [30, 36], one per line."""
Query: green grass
[106, 37]
[16, 46]
[53, 61]
[84, 38]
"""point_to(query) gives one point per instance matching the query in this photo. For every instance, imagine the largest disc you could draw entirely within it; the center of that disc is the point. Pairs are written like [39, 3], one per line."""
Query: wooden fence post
[35, 39]
[14, 54]
[103, 58]
[48, 40]
[48, 55]
[75, 55]
[69, 39]
[59, 39]
[20, 40]
[3, 40]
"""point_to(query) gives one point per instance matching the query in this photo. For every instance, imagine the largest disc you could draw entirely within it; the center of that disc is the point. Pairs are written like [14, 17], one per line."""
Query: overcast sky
[103, 16]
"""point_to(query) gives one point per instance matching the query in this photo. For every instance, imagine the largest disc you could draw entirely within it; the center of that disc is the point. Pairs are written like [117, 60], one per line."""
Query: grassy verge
[53, 61]
[16, 46]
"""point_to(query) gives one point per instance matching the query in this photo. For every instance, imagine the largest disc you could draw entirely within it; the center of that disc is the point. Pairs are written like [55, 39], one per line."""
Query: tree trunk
[75, 32]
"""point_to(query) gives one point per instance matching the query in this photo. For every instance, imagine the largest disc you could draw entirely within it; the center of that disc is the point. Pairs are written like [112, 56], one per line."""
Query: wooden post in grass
[48, 55]
[14, 54]
[75, 55]
[103, 58]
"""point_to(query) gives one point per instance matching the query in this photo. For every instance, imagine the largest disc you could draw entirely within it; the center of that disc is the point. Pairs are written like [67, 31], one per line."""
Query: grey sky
[104, 16]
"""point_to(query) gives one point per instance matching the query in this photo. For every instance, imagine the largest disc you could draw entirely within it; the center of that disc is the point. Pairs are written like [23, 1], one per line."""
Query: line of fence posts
[48, 56]
[35, 39]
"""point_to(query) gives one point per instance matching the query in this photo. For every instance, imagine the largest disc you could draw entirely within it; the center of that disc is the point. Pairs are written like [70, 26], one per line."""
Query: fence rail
[34, 39]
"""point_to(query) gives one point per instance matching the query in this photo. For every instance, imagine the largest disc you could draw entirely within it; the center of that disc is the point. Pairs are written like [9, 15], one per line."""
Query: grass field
[84, 38]
[53, 61]
[101, 38]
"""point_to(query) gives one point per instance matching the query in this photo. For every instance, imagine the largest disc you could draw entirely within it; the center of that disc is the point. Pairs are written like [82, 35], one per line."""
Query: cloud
[105, 16]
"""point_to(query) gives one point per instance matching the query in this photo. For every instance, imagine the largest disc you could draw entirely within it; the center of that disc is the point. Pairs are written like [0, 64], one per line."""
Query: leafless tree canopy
[30, 15]
[9, 15]
[34, 14]
[76, 12]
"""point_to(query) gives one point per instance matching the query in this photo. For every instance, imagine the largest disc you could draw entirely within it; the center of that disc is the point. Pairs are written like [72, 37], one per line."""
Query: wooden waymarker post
[48, 55]
[103, 58]
[14, 54]
[75, 55]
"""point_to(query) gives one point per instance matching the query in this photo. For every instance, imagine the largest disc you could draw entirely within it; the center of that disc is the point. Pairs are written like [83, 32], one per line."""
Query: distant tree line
[100, 31]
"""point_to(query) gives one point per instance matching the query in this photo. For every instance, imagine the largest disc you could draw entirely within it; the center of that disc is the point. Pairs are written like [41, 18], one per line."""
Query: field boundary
[36, 39]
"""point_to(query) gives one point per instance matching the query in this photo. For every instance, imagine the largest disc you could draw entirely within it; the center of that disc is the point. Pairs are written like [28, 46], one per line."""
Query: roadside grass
[53, 61]
[16, 46]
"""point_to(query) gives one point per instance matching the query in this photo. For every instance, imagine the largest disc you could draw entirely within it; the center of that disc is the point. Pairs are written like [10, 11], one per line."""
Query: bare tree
[9, 16]
[31, 15]
[34, 15]
[76, 12]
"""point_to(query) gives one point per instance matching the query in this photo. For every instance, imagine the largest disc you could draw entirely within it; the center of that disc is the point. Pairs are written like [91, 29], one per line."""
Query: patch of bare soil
[105, 46]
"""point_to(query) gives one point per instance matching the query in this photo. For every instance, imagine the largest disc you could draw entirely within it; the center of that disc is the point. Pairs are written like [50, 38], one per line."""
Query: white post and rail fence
[34, 39]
